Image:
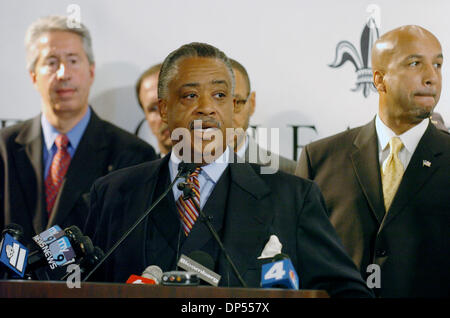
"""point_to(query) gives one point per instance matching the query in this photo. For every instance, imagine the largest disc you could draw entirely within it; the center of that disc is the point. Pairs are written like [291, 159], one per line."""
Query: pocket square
[272, 248]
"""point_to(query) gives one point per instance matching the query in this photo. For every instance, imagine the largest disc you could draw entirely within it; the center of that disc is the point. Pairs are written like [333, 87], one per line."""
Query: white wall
[286, 47]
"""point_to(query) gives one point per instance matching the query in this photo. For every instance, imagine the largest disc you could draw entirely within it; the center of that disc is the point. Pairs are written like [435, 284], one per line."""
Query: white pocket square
[272, 248]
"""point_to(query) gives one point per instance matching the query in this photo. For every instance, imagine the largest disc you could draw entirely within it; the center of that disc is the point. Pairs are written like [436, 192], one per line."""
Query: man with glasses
[245, 146]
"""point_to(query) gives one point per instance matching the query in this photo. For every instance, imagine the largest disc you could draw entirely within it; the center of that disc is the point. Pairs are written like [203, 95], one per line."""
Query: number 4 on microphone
[279, 274]
[275, 272]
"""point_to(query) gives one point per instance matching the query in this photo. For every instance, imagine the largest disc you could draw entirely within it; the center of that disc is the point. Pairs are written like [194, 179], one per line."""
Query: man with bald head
[386, 184]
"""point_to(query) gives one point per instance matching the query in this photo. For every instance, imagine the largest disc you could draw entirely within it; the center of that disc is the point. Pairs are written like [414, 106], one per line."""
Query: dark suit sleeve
[323, 262]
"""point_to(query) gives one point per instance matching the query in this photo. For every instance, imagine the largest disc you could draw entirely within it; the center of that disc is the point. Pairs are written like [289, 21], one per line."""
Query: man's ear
[162, 106]
[378, 81]
[252, 102]
[92, 72]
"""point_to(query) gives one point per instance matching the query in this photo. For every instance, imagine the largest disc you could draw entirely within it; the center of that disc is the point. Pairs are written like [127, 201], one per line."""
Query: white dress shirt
[207, 178]
[409, 138]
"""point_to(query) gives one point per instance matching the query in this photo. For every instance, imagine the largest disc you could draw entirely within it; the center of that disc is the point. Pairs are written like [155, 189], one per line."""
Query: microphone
[13, 254]
[201, 266]
[180, 278]
[151, 275]
[56, 250]
[87, 262]
[280, 273]
[184, 169]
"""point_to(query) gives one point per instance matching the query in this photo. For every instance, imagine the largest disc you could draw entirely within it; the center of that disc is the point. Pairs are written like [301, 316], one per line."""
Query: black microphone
[88, 262]
[202, 264]
[184, 169]
[15, 230]
[207, 221]
[55, 250]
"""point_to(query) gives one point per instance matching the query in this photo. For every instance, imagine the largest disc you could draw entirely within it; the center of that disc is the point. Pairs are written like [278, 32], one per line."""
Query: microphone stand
[188, 193]
[184, 170]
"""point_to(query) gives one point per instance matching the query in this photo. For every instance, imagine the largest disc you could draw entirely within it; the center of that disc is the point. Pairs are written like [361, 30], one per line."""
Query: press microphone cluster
[53, 250]
[184, 170]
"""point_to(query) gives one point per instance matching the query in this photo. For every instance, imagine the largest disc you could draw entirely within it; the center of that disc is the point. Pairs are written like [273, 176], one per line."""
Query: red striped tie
[187, 209]
[57, 171]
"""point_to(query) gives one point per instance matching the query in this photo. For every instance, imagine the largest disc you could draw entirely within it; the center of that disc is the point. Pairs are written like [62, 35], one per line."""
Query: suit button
[380, 253]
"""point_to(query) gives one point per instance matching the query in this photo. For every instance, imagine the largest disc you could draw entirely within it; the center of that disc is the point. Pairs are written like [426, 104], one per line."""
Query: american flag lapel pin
[426, 163]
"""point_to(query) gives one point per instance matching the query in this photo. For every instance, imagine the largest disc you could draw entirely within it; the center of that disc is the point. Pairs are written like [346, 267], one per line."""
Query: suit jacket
[245, 207]
[284, 164]
[411, 241]
[102, 149]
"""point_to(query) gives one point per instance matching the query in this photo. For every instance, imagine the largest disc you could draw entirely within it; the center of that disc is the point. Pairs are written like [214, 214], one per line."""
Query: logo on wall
[346, 51]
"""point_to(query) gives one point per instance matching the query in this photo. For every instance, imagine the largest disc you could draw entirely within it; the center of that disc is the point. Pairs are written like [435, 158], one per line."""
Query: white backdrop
[286, 47]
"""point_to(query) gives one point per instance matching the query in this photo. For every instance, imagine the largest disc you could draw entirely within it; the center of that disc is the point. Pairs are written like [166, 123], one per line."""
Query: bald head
[385, 47]
[406, 64]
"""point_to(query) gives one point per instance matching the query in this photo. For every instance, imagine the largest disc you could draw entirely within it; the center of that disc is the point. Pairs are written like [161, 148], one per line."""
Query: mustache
[205, 122]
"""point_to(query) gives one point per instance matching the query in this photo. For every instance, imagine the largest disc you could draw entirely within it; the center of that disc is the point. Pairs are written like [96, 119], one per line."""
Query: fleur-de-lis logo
[346, 51]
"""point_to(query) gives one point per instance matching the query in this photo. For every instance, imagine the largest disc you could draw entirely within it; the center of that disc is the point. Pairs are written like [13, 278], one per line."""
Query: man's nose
[205, 106]
[430, 75]
[61, 73]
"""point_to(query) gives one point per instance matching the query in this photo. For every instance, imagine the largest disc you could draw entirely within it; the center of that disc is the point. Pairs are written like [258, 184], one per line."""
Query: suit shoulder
[344, 136]
[121, 134]
[121, 140]
[129, 176]
[12, 131]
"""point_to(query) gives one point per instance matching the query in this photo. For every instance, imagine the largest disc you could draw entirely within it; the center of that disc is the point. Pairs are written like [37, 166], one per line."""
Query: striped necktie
[57, 171]
[188, 208]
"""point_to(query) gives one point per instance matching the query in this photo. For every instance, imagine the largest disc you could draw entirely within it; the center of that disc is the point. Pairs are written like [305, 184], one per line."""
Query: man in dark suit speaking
[244, 207]
[387, 184]
[48, 163]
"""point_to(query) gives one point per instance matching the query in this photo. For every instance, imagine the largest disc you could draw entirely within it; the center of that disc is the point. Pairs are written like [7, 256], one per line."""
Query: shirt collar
[212, 171]
[74, 135]
[409, 138]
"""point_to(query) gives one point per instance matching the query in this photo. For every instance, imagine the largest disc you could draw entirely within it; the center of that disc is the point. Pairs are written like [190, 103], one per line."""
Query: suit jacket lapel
[30, 153]
[367, 168]
[83, 169]
[248, 218]
[417, 174]
[165, 216]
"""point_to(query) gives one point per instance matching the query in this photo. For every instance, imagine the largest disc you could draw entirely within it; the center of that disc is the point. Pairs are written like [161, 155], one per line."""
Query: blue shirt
[208, 177]
[50, 134]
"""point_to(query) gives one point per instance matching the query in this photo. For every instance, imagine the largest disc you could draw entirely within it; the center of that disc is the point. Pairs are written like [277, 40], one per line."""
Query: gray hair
[169, 67]
[54, 23]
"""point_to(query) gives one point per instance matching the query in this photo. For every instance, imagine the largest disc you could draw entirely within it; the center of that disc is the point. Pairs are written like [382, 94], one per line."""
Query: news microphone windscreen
[13, 254]
[15, 230]
[135, 279]
[153, 272]
[56, 247]
[202, 271]
[279, 274]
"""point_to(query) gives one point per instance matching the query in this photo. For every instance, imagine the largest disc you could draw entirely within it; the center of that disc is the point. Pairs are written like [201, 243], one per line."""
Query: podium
[45, 289]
